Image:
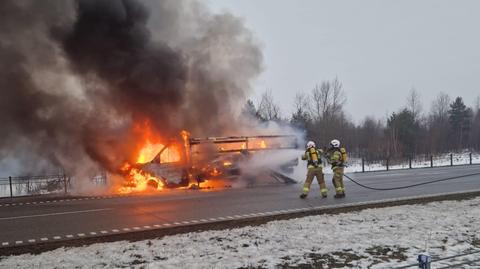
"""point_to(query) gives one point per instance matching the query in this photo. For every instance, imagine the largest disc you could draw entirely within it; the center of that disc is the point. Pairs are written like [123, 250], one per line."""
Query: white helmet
[310, 144]
[335, 143]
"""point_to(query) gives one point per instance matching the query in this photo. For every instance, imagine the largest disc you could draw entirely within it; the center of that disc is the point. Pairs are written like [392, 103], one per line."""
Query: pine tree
[460, 122]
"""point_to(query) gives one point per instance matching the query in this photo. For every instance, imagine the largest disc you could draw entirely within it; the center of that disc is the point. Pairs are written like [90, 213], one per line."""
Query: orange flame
[263, 145]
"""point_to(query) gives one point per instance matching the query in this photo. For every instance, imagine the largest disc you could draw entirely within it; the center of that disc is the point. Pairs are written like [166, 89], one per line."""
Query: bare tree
[440, 107]
[267, 109]
[477, 104]
[301, 102]
[328, 100]
[338, 97]
[414, 104]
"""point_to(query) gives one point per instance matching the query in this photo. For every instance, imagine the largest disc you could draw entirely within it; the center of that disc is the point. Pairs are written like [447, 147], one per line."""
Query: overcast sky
[378, 49]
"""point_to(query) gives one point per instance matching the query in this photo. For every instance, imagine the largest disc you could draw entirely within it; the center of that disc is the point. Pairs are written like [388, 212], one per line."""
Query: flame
[263, 145]
[148, 152]
[138, 180]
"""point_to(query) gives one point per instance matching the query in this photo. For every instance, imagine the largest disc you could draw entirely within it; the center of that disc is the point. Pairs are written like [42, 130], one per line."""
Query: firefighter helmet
[335, 143]
[310, 144]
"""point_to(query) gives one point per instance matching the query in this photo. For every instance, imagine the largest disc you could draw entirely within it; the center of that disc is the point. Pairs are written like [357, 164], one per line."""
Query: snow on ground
[372, 238]
[355, 164]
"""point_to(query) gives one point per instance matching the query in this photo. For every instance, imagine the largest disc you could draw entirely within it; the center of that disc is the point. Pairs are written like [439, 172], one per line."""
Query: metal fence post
[11, 190]
[65, 183]
[431, 161]
[410, 162]
[451, 159]
[363, 165]
[388, 163]
[424, 261]
[471, 158]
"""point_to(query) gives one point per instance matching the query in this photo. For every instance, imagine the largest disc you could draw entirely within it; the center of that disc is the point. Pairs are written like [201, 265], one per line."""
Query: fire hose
[409, 186]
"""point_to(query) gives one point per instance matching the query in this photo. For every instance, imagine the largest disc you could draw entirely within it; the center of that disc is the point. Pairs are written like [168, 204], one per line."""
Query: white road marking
[31, 240]
[185, 222]
[43, 239]
[213, 219]
[103, 232]
[57, 237]
[194, 221]
[126, 229]
[81, 235]
[5, 244]
[56, 214]
[203, 220]
[68, 236]
[136, 228]
[176, 223]
[167, 224]
[115, 231]
[93, 233]
[157, 225]
[147, 227]
[18, 242]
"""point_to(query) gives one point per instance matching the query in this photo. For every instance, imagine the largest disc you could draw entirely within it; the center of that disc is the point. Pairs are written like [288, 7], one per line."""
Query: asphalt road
[39, 220]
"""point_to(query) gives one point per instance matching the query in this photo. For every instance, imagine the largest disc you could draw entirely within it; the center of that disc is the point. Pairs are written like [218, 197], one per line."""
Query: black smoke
[76, 76]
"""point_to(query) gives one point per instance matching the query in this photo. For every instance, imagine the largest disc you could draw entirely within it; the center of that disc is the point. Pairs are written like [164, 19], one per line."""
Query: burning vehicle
[188, 162]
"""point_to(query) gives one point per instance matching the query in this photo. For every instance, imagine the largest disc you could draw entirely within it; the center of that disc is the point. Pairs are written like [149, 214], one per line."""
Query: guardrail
[425, 161]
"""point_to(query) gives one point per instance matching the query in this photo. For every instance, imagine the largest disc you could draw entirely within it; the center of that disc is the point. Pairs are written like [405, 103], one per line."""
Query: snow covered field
[372, 238]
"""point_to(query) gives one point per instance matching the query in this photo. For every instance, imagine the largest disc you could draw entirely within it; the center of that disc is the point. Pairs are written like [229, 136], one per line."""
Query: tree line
[450, 125]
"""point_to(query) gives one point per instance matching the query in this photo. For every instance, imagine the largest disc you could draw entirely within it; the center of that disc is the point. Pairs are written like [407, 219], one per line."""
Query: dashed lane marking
[5, 244]
[115, 230]
[56, 214]
[43, 239]
[66, 200]
[93, 233]
[103, 232]
[69, 236]
[31, 240]
[81, 235]
[57, 237]
[18, 242]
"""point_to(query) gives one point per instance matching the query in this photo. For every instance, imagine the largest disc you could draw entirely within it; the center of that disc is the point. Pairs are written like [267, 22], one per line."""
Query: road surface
[30, 221]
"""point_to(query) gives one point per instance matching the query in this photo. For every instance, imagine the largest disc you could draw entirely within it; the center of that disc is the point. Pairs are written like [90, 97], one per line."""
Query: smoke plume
[78, 77]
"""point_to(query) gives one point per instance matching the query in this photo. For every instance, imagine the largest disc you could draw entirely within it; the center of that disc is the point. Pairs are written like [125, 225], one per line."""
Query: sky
[379, 50]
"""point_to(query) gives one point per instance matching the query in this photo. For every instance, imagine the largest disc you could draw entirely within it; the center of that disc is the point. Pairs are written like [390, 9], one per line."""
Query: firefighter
[314, 169]
[337, 157]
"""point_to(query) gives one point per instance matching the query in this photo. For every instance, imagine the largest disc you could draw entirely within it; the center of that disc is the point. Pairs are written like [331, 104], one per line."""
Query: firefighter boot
[340, 193]
[303, 195]
[323, 192]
